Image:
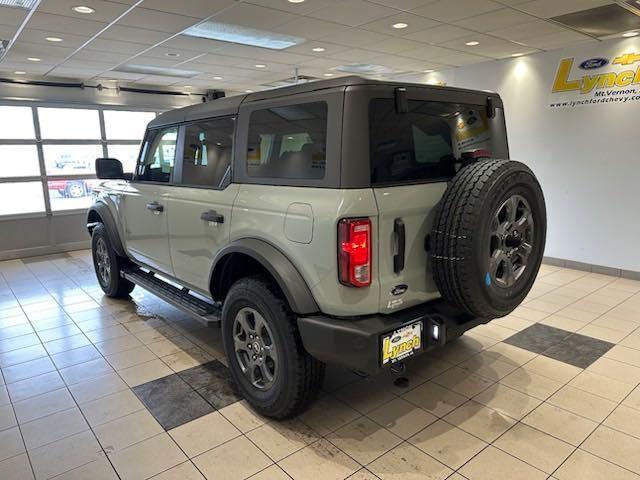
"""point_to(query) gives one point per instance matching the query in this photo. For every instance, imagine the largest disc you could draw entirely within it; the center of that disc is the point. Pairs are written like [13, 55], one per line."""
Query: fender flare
[286, 275]
[110, 225]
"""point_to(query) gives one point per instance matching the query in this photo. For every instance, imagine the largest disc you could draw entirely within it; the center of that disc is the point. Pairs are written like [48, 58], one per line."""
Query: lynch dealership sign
[596, 81]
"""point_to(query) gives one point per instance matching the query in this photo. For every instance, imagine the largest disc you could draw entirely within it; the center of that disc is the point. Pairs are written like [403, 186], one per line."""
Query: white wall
[587, 158]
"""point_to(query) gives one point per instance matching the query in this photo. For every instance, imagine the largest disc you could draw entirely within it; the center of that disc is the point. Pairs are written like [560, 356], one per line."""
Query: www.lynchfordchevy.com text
[607, 96]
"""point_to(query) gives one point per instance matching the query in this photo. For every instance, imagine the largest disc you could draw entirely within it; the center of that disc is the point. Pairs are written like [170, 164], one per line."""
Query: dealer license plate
[401, 343]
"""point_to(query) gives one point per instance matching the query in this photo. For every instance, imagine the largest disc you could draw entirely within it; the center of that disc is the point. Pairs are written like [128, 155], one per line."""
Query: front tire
[265, 352]
[108, 265]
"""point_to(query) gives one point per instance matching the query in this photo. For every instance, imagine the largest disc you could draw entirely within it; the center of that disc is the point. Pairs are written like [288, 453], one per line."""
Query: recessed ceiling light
[517, 54]
[83, 9]
[53, 39]
[227, 32]
[249, 91]
[328, 74]
[400, 25]
[472, 44]
[260, 65]
[19, 72]
[217, 78]
[188, 86]
[318, 49]
[296, 1]
[33, 59]
[172, 54]
[630, 34]
[428, 71]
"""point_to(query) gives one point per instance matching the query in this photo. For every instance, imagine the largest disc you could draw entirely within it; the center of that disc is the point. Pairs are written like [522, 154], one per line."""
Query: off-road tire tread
[308, 371]
[120, 287]
[453, 230]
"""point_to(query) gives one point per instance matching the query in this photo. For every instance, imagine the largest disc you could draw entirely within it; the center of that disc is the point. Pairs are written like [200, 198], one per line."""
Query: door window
[288, 142]
[158, 155]
[207, 152]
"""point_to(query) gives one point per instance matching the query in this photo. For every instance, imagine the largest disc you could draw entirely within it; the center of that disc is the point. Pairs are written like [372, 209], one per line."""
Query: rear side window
[288, 142]
[158, 155]
[207, 152]
[431, 141]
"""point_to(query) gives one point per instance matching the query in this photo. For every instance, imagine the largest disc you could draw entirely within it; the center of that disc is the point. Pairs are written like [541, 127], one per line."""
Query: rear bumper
[356, 343]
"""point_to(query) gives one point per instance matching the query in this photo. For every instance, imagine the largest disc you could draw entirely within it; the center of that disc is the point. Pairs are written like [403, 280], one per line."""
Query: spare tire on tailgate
[488, 237]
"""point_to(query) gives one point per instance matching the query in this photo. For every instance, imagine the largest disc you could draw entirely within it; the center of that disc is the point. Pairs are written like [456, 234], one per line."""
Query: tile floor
[93, 388]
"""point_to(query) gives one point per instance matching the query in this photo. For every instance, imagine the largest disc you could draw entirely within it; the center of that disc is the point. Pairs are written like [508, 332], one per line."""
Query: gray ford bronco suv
[346, 221]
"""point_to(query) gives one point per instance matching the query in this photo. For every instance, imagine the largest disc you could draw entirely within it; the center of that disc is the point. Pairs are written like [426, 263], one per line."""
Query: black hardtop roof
[230, 105]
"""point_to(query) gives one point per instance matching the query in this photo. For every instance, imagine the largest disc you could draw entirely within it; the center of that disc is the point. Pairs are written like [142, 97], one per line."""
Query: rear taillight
[354, 252]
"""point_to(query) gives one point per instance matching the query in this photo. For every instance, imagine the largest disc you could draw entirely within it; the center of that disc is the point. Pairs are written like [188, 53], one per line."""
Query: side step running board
[206, 312]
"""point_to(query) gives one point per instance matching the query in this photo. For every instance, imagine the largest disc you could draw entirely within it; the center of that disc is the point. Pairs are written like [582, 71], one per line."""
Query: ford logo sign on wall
[594, 63]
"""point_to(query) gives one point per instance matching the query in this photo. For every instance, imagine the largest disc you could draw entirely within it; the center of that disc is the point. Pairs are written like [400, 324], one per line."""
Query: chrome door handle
[155, 207]
[212, 216]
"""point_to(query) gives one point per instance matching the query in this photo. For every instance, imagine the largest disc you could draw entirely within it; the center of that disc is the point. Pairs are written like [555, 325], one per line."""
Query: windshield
[431, 141]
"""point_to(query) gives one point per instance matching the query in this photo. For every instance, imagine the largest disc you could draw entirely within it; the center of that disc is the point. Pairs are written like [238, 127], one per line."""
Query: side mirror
[110, 169]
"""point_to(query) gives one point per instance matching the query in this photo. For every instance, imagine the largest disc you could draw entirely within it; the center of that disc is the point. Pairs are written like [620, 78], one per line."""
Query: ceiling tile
[535, 29]
[404, 4]
[190, 8]
[75, 72]
[104, 11]
[116, 46]
[485, 42]
[62, 24]
[12, 16]
[486, 22]
[395, 45]
[154, 20]
[7, 31]
[460, 59]
[38, 36]
[215, 60]
[185, 42]
[551, 8]
[307, 48]
[286, 57]
[356, 37]
[27, 49]
[556, 40]
[302, 8]
[415, 23]
[309, 28]
[439, 34]
[254, 16]
[452, 10]
[133, 34]
[322, 63]
[428, 52]
[93, 55]
[353, 12]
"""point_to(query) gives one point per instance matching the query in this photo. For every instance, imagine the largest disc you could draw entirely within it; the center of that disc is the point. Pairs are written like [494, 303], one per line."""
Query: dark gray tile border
[572, 348]
[171, 401]
[537, 338]
[579, 350]
[182, 397]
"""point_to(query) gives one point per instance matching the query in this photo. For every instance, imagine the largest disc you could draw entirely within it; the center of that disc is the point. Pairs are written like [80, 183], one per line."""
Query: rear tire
[108, 264]
[257, 321]
[488, 237]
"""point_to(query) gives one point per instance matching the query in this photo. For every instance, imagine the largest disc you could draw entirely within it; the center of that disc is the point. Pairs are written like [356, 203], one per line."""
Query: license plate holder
[401, 343]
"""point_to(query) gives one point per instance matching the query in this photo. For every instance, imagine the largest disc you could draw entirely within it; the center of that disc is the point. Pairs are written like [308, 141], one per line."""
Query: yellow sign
[608, 79]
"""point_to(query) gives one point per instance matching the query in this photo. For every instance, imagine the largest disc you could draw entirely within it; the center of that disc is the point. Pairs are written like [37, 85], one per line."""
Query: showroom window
[47, 154]
[288, 142]
[207, 152]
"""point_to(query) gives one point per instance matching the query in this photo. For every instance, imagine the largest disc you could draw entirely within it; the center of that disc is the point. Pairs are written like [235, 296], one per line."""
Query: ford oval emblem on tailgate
[399, 289]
